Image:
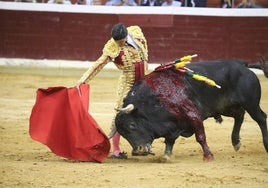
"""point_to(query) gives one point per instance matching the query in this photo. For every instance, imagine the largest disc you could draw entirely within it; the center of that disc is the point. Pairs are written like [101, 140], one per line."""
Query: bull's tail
[262, 65]
[254, 66]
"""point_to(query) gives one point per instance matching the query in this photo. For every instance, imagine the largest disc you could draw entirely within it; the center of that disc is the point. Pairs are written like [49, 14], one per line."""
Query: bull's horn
[127, 109]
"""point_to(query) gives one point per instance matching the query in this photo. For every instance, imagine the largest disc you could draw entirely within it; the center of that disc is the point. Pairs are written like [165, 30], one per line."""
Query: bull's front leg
[168, 149]
[169, 146]
[194, 118]
[201, 138]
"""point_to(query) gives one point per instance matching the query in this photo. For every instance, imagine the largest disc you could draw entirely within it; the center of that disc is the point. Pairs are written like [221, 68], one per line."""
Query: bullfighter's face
[121, 42]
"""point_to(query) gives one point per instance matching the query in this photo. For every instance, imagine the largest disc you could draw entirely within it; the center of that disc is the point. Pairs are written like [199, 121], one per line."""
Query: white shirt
[131, 42]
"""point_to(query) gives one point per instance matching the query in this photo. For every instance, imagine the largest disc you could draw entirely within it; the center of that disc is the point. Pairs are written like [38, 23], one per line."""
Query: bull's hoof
[265, 143]
[142, 150]
[237, 146]
[218, 119]
[208, 158]
[135, 153]
[164, 159]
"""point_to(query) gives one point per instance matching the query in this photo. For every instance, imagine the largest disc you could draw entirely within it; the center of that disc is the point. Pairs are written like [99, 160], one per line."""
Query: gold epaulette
[111, 49]
[138, 37]
[135, 31]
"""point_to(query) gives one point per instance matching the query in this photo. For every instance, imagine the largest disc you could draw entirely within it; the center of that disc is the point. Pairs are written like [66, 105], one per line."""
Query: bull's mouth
[142, 150]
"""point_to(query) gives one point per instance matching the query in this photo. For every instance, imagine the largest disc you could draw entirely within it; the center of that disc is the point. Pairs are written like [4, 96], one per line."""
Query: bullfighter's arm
[94, 69]
[110, 52]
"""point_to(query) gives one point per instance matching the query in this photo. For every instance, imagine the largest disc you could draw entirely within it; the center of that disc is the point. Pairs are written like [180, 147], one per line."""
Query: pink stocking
[116, 139]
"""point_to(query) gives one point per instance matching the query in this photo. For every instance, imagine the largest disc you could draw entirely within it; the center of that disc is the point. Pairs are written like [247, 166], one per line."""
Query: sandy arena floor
[27, 163]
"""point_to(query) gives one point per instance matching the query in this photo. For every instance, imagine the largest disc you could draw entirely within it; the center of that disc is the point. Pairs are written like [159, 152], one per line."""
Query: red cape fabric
[60, 120]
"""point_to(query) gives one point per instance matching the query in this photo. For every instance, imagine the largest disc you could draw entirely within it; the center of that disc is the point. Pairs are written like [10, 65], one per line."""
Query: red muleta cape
[60, 120]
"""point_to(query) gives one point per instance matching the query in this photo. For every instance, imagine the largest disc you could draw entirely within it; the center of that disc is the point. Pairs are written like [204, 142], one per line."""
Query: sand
[27, 163]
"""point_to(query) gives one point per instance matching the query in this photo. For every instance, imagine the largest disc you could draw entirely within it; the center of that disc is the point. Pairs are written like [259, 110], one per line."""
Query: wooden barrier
[78, 32]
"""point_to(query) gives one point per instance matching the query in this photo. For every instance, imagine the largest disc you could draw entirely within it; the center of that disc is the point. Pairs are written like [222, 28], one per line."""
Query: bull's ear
[132, 126]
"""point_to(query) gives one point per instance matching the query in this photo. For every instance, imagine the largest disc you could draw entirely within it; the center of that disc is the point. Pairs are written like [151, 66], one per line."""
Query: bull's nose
[138, 151]
[142, 150]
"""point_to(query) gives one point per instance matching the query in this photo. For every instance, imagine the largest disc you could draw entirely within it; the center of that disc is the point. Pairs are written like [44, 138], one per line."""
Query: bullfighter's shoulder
[111, 49]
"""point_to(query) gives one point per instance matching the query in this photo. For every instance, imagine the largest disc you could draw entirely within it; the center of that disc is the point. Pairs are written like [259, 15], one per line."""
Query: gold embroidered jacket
[124, 58]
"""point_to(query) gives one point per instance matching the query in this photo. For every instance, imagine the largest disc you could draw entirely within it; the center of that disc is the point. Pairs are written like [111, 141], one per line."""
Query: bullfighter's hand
[78, 87]
[112, 132]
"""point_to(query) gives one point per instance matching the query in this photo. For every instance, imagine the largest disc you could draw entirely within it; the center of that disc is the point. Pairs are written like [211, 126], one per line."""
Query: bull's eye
[157, 106]
[132, 93]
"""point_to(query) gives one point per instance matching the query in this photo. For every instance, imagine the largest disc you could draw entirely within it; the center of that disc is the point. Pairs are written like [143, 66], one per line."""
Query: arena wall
[78, 32]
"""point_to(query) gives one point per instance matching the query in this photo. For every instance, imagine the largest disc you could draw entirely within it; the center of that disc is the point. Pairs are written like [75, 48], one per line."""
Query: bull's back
[220, 69]
[229, 74]
[238, 85]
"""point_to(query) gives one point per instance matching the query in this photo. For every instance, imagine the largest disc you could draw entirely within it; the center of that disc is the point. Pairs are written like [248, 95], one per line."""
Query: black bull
[170, 104]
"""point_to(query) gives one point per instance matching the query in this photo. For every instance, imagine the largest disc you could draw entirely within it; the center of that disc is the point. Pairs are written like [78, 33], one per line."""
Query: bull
[169, 104]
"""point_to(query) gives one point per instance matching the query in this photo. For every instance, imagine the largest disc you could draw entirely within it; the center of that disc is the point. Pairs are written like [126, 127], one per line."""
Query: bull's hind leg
[252, 96]
[260, 117]
[238, 114]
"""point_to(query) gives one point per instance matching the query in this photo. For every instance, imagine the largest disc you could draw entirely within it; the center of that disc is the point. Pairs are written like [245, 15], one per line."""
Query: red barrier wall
[81, 36]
